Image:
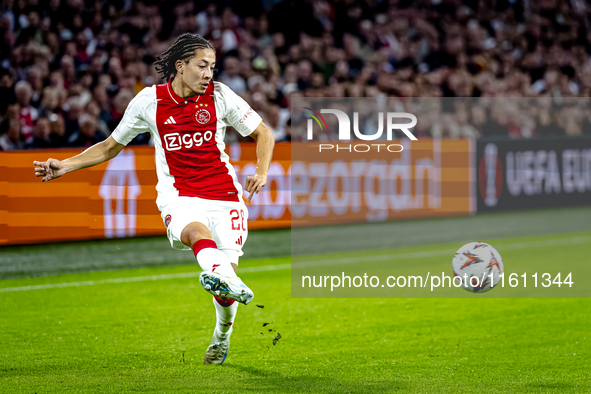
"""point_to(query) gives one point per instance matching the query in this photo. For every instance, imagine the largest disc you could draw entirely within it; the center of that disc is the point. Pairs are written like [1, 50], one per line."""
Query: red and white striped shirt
[188, 135]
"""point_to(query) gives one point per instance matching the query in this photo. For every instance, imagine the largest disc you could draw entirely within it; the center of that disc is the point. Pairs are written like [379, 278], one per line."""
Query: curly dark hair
[183, 49]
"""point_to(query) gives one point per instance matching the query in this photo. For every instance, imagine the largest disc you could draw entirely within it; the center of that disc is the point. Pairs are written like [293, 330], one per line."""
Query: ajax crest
[202, 116]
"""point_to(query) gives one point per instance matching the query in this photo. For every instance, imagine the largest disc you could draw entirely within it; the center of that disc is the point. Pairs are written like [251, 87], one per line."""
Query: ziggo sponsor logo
[176, 141]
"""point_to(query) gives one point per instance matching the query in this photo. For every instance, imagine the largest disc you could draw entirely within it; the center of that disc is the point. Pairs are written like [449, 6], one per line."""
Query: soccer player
[199, 197]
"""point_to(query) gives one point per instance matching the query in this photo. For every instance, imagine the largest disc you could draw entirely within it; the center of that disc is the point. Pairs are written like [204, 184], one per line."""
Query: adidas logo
[170, 121]
[239, 242]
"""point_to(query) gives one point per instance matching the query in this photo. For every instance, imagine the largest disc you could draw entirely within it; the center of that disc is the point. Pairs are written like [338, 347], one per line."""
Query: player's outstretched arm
[96, 154]
[265, 143]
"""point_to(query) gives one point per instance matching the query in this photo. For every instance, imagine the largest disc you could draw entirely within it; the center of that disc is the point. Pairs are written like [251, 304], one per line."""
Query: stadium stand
[70, 67]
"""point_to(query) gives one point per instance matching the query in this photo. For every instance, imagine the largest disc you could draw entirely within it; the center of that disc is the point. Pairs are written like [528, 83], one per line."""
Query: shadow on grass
[561, 387]
[260, 380]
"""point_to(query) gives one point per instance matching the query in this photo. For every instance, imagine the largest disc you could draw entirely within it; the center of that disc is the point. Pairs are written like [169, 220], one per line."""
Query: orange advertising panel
[305, 187]
[114, 199]
[340, 182]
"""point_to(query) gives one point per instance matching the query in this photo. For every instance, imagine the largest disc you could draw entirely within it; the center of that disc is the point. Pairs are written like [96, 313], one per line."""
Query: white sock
[224, 324]
[212, 259]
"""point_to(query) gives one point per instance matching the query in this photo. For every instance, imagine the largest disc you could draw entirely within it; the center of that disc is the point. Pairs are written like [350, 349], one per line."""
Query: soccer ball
[478, 265]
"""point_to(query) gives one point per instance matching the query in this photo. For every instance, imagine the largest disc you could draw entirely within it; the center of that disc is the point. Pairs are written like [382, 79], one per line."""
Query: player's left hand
[254, 184]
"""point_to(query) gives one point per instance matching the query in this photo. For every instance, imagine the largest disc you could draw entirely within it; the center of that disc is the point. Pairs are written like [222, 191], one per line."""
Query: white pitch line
[305, 264]
[436, 253]
[182, 275]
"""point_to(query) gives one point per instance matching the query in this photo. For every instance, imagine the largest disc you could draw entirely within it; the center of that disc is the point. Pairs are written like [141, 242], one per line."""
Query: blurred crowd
[70, 67]
[448, 117]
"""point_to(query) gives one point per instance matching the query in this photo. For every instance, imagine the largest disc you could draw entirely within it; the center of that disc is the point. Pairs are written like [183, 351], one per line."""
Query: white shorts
[227, 221]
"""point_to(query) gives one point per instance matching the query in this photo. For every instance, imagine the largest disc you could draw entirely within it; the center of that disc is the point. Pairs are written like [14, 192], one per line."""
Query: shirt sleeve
[237, 113]
[133, 121]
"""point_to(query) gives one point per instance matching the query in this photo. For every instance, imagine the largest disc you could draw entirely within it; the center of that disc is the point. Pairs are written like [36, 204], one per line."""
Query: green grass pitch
[125, 335]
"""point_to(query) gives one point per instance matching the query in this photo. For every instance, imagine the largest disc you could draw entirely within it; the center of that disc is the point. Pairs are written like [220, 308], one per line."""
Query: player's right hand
[50, 169]
[254, 184]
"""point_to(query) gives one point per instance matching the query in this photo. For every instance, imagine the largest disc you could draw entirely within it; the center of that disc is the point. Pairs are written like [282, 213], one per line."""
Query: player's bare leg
[224, 286]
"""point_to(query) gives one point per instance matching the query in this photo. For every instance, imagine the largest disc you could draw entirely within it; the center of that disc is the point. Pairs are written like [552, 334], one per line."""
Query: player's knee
[194, 237]
[195, 232]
